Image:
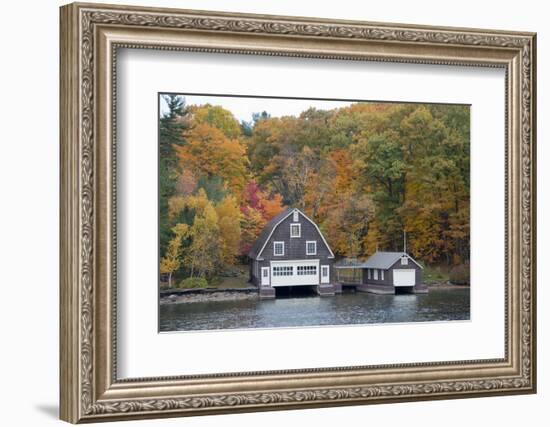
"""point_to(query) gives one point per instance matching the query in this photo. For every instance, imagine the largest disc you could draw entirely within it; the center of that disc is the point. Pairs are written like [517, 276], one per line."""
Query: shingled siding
[388, 277]
[295, 247]
[254, 278]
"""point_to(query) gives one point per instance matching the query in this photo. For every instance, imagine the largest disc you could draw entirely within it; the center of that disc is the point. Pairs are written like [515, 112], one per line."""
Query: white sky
[242, 108]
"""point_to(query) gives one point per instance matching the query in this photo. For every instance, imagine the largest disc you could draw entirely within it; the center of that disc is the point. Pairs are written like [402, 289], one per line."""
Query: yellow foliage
[172, 258]
[202, 256]
[252, 225]
[187, 183]
[208, 151]
[175, 205]
[229, 223]
[218, 117]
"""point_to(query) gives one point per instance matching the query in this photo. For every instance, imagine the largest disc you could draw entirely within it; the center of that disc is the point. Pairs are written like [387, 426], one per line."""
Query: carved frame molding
[90, 37]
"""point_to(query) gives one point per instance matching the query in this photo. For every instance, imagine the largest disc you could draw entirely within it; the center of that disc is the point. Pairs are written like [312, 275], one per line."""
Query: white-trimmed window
[375, 274]
[295, 216]
[295, 230]
[368, 273]
[311, 247]
[404, 260]
[278, 248]
[283, 271]
[324, 271]
[381, 274]
[306, 270]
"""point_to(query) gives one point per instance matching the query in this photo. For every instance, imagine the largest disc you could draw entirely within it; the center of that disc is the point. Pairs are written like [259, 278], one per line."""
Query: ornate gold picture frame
[91, 34]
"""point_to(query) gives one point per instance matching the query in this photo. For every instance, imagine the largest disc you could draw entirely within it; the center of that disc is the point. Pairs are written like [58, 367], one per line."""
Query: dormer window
[295, 230]
[295, 216]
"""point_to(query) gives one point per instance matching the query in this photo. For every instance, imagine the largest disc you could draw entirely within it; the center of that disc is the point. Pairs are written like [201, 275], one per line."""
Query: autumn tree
[338, 203]
[365, 173]
[208, 151]
[264, 146]
[382, 167]
[252, 225]
[334, 180]
[229, 224]
[202, 256]
[257, 209]
[436, 210]
[407, 164]
[172, 124]
[346, 225]
[217, 117]
[214, 232]
[171, 261]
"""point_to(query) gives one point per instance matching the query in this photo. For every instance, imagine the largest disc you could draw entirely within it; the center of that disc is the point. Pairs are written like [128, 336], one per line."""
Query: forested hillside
[365, 173]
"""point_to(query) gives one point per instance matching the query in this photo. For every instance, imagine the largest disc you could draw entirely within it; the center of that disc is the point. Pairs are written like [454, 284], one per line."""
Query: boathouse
[384, 273]
[291, 251]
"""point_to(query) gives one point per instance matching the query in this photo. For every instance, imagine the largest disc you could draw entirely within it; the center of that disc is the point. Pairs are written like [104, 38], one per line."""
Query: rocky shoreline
[205, 295]
[446, 285]
[190, 297]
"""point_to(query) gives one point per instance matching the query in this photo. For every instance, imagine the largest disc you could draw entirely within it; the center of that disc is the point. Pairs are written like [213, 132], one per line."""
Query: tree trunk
[170, 279]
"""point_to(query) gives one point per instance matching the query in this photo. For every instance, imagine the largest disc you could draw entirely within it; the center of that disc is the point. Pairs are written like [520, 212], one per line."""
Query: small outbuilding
[391, 272]
[388, 273]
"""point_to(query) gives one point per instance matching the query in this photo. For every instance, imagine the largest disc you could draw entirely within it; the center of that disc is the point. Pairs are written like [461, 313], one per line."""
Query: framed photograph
[268, 212]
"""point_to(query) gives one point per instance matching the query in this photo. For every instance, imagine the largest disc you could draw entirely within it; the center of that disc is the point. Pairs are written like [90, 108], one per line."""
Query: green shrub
[435, 274]
[460, 275]
[193, 282]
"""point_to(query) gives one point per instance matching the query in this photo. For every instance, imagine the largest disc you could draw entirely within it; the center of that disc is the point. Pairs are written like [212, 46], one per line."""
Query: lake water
[311, 310]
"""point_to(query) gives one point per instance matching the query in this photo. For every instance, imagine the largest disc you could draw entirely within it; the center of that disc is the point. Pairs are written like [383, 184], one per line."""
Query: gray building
[291, 251]
[388, 272]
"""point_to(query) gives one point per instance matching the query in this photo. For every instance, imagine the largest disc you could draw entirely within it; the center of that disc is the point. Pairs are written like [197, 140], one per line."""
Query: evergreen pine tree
[173, 123]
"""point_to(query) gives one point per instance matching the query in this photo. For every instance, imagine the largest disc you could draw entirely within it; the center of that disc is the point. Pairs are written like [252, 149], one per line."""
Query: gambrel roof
[261, 241]
[266, 232]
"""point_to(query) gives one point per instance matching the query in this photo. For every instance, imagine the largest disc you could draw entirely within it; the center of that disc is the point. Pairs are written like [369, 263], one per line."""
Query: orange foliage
[257, 210]
[272, 207]
[187, 183]
[209, 152]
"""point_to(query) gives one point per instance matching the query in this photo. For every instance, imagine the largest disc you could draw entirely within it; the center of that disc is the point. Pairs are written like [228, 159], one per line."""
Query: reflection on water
[345, 309]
